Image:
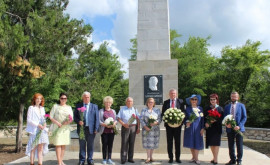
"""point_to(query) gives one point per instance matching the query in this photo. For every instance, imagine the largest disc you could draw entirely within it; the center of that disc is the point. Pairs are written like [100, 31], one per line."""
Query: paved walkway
[250, 157]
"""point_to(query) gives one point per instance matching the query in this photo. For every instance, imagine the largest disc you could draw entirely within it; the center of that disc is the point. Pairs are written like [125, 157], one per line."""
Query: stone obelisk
[153, 73]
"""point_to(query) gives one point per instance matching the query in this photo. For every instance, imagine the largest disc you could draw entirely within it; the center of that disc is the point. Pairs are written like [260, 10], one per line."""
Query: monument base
[138, 69]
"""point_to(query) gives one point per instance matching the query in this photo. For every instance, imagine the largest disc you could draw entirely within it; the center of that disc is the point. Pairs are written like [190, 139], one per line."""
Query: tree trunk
[19, 130]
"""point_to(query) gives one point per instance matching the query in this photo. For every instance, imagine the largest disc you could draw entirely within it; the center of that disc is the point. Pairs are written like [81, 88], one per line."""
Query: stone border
[251, 133]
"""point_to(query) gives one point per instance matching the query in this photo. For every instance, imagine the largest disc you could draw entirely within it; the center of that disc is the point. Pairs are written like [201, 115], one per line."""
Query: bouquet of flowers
[68, 119]
[213, 115]
[132, 119]
[194, 115]
[151, 119]
[35, 143]
[109, 121]
[230, 120]
[173, 117]
[81, 110]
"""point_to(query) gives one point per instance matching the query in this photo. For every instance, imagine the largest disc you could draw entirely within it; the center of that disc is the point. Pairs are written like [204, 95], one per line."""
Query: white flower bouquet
[230, 120]
[173, 117]
[110, 121]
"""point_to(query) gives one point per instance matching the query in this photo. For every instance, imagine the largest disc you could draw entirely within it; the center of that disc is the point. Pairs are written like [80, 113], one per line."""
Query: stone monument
[153, 73]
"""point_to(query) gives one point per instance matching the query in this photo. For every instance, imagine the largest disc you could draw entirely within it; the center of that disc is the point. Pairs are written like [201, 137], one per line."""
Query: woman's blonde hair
[147, 101]
[108, 99]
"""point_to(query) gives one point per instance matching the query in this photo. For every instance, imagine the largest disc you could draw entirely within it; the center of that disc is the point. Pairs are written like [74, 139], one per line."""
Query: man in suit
[173, 133]
[90, 122]
[238, 110]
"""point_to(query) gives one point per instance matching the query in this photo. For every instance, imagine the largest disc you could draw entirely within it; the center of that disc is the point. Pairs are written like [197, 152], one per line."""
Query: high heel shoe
[147, 161]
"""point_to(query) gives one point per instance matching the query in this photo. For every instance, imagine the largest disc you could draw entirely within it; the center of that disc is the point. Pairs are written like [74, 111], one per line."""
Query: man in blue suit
[238, 110]
[90, 122]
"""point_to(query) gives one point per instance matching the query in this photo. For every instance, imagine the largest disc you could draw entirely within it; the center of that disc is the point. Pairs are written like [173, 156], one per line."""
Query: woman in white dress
[38, 141]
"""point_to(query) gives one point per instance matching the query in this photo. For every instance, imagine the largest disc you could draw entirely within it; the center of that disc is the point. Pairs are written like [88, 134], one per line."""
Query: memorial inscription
[153, 87]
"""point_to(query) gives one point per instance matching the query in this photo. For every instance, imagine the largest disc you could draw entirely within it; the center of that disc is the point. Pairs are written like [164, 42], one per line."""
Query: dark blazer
[93, 117]
[179, 105]
[240, 116]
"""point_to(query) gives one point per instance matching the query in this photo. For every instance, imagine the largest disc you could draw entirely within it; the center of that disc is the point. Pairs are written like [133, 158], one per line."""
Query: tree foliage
[244, 69]
[38, 46]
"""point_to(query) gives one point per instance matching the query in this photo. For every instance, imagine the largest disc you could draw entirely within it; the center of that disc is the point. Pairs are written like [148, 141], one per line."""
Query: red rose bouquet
[132, 119]
[213, 115]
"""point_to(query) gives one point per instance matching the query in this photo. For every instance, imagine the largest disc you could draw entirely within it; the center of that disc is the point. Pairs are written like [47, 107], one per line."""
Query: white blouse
[33, 118]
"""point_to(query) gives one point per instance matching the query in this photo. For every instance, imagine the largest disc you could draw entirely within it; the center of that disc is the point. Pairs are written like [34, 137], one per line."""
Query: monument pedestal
[137, 69]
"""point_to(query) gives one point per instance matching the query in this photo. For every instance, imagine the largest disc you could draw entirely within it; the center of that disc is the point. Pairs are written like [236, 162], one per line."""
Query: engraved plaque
[153, 87]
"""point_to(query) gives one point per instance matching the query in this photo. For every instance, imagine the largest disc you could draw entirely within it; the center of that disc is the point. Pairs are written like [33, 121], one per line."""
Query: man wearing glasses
[238, 110]
[173, 133]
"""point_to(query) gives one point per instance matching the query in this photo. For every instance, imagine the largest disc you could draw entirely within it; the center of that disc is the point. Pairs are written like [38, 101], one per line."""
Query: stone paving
[250, 157]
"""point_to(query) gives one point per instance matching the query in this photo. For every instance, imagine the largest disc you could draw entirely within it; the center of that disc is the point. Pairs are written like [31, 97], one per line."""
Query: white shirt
[86, 113]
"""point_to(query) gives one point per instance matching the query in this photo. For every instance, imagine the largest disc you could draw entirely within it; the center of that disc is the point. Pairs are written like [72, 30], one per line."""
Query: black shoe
[170, 161]
[123, 162]
[81, 163]
[179, 161]
[91, 163]
[239, 163]
[230, 162]
[131, 161]
[213, 162]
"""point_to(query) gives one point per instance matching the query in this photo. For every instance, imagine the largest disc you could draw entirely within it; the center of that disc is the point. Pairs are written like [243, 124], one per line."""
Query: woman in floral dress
[38, 141]
[61, 116]
[150, 136]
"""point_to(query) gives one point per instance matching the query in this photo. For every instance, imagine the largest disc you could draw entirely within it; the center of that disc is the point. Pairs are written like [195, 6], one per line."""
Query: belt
[132, 124]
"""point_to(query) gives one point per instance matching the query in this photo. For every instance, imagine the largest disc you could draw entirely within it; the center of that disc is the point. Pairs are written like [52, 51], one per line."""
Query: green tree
[257, 99]
[39, 33]
[238, 66]
[100, 72]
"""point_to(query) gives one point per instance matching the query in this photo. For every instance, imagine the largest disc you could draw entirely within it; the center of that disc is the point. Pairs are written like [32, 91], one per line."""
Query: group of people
[92, 120]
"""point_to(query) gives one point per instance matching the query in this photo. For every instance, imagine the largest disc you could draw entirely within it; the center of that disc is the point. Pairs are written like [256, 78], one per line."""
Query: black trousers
[239, 144]
[107, 145]
[173, 134]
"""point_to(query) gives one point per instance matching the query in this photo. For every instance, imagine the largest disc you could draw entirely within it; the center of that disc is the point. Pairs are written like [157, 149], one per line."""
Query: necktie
[232, 110]
[172, 103]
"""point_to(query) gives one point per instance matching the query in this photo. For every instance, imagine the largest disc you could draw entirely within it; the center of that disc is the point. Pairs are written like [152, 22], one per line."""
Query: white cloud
[229, 22]
[90, 8]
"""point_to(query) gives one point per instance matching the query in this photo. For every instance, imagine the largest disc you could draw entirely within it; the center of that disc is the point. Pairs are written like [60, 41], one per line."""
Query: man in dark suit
[173, 133]
[90, 122]
[238, 110]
